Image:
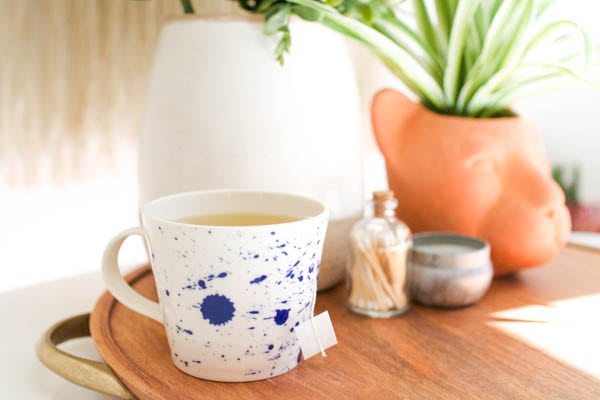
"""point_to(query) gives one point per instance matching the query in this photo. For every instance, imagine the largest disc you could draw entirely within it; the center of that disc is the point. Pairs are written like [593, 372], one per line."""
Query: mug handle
[117, 285]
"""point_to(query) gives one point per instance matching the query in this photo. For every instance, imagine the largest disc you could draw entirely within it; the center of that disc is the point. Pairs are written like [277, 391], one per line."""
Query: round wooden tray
[426, 354]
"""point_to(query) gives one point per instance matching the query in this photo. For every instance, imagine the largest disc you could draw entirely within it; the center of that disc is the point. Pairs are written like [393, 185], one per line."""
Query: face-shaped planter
[488, 178]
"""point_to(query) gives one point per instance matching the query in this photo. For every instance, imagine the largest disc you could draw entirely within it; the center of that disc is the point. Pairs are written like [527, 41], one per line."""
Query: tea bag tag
[315, 335]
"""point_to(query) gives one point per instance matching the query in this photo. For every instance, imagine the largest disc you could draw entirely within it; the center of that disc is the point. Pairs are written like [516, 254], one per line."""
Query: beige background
[72, 77]
[72, 81]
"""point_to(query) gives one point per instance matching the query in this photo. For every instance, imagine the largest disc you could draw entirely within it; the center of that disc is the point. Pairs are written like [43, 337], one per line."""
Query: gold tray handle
[87, 373]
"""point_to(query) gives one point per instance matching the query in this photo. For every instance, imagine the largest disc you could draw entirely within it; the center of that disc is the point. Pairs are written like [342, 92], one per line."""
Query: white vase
[222, 113]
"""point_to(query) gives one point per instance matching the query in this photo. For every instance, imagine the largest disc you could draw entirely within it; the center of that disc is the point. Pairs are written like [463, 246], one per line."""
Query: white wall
[570, 123]
[570, 119]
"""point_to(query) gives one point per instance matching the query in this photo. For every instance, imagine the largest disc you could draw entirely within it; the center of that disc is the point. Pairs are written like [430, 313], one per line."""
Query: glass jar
[376, 269]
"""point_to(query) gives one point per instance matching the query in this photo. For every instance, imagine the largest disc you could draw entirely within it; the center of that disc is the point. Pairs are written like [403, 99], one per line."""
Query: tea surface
[237, 219]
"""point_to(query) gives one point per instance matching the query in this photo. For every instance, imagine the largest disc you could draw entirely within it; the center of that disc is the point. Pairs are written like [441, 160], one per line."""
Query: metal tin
[448, 270]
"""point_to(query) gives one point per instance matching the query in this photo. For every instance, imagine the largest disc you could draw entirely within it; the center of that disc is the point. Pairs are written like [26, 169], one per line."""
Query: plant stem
[187, 6]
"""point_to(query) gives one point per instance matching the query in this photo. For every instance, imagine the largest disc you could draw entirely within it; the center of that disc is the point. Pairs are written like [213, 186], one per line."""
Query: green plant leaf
[434, 69]
[283, 47]
[536, 83]
[465, 11]
[497, 41]
[543, 6]
[414, 39]
[555, 30]
[511, 61]
[445, 16]
[187, 6]
[307, 14]
[472, 48]
[277, 18]
[265, 5]
[425, 26]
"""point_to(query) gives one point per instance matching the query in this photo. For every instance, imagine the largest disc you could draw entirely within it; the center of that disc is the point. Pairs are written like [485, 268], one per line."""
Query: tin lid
[449, 250]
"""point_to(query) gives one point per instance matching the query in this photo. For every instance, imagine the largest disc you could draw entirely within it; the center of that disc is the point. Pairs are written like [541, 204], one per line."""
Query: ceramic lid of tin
[449, 250]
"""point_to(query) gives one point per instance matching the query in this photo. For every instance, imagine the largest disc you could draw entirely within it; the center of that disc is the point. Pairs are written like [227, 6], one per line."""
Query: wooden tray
[425, 354]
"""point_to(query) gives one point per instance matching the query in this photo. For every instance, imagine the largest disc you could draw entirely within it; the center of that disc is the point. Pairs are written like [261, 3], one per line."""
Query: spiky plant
[462, 57]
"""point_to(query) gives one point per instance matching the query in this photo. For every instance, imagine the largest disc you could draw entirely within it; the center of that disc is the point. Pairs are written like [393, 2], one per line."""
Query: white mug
[230, 296]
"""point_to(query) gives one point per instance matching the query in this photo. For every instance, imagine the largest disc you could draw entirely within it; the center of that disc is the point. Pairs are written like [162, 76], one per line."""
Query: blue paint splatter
[210, 277]
[296, 263]
[202, 284]
[284, 253]
[271, 347]
[222, 275]
[300, 278]
[281, 316]
[251, 328]
[180, 329]
[253, 312]
[256, 255]
[217, 309]
[299, 356]
[311, 268]
[167, 292]
[273, 232]
[258, 279]
[281, 246]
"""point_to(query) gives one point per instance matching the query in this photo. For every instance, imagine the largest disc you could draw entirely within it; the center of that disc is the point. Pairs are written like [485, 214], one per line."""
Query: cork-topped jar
[376, 278]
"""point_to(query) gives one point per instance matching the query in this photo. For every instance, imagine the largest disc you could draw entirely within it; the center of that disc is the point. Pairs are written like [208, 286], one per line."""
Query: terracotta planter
[488, 178]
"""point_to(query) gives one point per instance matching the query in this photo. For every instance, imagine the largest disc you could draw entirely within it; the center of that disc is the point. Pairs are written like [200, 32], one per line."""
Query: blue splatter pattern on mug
[231, 299]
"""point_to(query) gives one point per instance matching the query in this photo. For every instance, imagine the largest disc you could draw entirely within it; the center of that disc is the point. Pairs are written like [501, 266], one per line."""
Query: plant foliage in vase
[460, 57]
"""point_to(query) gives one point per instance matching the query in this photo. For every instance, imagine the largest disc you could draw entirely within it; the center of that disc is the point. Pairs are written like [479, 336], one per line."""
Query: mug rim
[323, 209]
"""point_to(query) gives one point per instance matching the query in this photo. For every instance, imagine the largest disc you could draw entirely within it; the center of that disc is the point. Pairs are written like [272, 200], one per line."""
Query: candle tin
[448, 270]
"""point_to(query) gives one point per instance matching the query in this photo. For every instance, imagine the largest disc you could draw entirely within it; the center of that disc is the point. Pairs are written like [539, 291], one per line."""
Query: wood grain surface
[469, 353]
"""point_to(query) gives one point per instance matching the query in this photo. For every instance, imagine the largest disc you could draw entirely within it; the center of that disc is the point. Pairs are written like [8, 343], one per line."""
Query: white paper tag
[315, 335]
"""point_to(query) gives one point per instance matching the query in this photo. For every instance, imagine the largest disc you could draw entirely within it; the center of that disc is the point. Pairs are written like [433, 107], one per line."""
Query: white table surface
[26, 313]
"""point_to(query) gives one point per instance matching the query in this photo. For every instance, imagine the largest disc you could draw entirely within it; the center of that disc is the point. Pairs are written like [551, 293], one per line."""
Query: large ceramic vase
[222, 113]
[488, 178]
